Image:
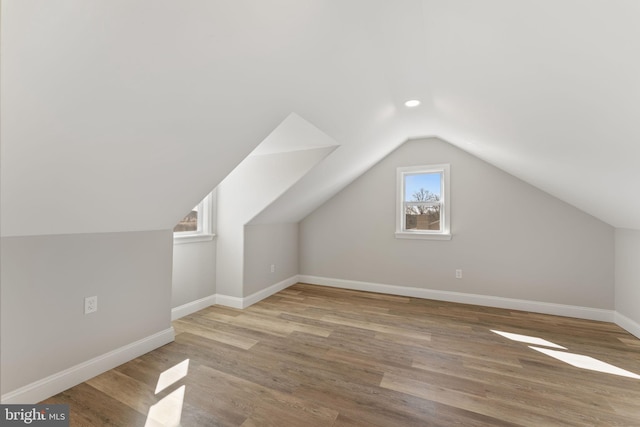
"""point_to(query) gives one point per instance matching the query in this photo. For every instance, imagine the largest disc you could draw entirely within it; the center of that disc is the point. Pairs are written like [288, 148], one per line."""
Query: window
[197, 225]
[423, 202]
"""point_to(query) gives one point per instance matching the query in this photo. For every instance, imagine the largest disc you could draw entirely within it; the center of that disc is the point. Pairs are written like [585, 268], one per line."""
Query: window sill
[192, 238]
[423, 236]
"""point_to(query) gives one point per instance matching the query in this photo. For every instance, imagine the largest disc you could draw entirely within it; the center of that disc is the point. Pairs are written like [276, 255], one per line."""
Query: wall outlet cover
[90, 304]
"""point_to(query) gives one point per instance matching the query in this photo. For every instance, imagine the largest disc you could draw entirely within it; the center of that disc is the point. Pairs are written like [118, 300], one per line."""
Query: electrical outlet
[458, 274]
[90, 304]
[273, 268]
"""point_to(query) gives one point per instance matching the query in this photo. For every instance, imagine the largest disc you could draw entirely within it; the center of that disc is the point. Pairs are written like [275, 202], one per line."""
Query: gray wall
[268, 244]
[194, 272]
[44, 282]
[256, 183]
[627, 254]
[509, 238]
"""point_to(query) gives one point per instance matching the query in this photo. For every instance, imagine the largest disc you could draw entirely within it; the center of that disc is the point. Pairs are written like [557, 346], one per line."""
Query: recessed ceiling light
[412, 103]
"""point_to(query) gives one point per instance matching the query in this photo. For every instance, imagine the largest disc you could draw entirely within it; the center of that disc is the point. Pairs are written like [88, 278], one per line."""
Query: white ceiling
[119, 115]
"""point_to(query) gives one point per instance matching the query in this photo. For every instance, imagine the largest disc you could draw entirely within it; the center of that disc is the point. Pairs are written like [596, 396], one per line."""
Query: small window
[423, 202]
[197, 225]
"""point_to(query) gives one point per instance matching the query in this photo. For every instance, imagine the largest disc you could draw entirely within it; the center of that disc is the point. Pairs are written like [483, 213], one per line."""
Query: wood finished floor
[316, 356]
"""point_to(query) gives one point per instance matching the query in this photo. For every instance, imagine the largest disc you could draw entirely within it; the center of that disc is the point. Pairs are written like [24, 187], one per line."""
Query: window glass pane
[188, 223]
[422, 217]
[422, 187]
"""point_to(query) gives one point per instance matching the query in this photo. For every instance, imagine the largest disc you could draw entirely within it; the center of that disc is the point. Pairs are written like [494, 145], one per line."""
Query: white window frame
[445, 203]
[205, 231]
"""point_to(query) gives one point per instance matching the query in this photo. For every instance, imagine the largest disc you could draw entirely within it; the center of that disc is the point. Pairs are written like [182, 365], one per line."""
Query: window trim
[445, 203]
[205, 232]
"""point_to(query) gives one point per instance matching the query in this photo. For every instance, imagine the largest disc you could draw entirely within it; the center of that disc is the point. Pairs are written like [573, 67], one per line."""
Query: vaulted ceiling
[119, 115]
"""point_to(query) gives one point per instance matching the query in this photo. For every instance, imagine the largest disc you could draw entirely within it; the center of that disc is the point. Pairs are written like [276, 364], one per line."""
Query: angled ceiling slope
[118, 116]
[293, 149]
[546, 90]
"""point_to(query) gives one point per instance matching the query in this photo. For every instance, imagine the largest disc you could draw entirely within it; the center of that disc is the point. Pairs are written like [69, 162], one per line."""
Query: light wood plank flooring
[316, 356]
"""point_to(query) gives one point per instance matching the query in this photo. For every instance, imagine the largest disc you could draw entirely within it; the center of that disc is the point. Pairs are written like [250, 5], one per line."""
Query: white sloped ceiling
[119, 115]
[547, 90]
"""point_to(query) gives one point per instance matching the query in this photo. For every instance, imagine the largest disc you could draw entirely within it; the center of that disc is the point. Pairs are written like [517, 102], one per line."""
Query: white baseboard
[61, 381]
[192, 307]
[485, 300]
[627, 324]
[236, 302]
[229, 301]
[273, 289]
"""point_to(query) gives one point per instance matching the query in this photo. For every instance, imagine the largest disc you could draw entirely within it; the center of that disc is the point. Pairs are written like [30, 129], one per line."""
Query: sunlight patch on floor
[172, 375]
[577, 360]
[168, 411]
[586, 362]
[528, 339]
